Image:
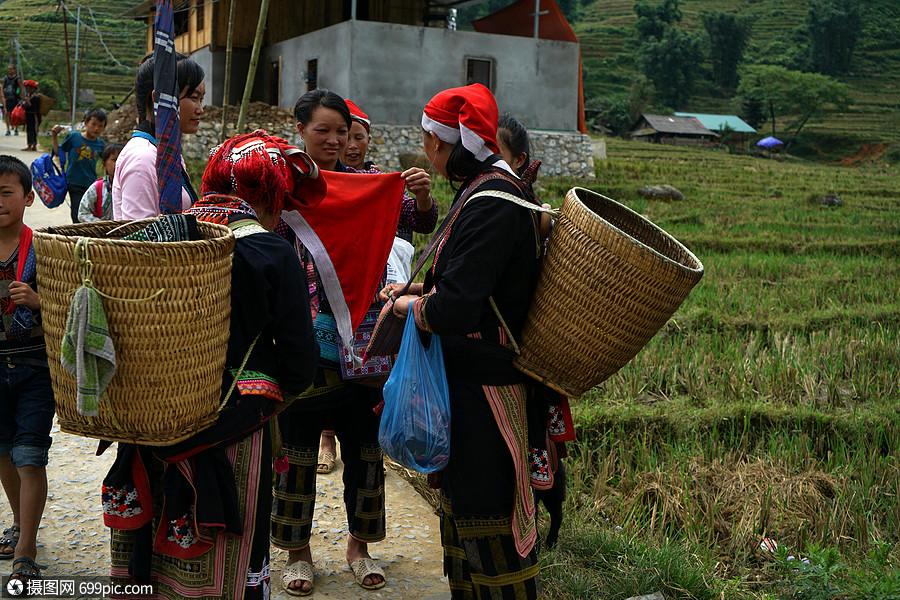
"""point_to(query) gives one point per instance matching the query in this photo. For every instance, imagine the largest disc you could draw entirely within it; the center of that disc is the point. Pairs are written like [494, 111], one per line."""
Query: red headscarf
[358, 115]
[260, 167]
[465, 113]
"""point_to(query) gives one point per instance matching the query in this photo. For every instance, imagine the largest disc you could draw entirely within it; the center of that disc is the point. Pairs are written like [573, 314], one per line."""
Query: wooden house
[678, 131]
[732, 127]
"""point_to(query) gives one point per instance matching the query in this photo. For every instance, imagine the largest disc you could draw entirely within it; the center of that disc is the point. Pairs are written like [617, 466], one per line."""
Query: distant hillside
[104, 39]
[605, 27]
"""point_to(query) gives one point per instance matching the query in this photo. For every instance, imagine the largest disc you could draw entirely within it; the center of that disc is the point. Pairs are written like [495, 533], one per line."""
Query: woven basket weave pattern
[610, 280]
[170, 350]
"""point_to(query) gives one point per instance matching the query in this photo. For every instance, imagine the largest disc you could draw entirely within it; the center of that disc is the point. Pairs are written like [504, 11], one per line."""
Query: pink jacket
[136, 174]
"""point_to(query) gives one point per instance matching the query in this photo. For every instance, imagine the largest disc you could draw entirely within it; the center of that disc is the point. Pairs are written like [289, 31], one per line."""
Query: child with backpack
[82, 153]
[96, 204]
[26, 398]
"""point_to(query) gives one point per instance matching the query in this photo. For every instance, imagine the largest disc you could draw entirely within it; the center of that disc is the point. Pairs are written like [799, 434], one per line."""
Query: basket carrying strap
[530, 206]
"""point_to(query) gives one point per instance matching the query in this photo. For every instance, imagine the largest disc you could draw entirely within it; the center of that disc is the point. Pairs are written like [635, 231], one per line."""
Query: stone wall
[562, 153]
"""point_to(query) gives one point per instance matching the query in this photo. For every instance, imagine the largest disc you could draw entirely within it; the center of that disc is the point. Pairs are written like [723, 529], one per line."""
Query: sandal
[297, 571]
[9, 539]
[362, 568]
[325, 463]
[28, 570]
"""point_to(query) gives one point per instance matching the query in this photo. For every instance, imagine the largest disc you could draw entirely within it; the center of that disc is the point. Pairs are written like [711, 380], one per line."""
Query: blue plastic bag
[415, 422]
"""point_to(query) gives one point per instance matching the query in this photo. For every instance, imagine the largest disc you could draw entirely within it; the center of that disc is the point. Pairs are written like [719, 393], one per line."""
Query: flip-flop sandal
[362, 568]
[29, 569]
[298, 571]
[325, 462]
[9, 539]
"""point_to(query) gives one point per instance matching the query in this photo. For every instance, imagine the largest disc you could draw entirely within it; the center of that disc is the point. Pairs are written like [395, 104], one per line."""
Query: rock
[661, 192]
[830, 200]
[653, 596]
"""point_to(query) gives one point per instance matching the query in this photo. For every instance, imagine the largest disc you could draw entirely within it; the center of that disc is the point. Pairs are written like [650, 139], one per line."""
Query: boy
[82, 153]
[26, 396]
[12, 90]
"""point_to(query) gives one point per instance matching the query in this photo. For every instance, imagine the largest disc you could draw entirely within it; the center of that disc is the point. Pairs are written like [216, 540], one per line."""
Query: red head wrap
[358, 115]
[30, 83]
[258, 167]
[465, 113]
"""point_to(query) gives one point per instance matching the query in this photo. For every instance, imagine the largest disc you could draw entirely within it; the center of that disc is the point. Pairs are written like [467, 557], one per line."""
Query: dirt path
[73, 541]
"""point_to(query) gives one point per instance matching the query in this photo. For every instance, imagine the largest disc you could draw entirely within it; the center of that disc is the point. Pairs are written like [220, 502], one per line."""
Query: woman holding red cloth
[324, 120]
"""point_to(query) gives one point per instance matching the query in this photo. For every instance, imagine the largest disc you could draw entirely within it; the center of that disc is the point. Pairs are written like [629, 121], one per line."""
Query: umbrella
[769, 142]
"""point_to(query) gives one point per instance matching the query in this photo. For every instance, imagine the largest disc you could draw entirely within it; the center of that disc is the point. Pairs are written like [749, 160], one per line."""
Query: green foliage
[785, 92]
[654, 19]
[833, 27]
[728, 36]
[621, 112]
[672, 64]
[594, 561]
[822, 575]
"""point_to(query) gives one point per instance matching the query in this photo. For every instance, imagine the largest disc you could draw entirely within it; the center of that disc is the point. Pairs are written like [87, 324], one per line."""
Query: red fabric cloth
[470, 108]
[355, 222]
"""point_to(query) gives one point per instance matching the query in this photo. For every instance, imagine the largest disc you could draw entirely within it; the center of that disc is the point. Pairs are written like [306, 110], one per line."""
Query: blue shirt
[82, 155]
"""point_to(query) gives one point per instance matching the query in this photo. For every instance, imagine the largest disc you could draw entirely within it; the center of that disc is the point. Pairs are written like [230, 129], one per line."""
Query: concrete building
[389, 55]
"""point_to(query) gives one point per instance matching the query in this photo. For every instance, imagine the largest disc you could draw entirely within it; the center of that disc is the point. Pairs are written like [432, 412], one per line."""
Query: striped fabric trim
[508, 405]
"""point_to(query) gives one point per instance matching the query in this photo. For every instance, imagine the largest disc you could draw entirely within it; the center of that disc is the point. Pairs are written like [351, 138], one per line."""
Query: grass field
[768, 405]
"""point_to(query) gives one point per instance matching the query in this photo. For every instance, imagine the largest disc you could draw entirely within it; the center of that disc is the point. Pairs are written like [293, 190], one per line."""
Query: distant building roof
[672, 124]
[718, 122]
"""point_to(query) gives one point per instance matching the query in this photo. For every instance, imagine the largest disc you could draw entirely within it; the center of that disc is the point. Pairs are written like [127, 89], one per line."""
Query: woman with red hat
[32, 104]
[476, 297]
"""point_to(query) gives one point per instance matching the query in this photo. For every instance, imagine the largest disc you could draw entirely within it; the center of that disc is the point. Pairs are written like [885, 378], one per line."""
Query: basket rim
[698, 270]
[59, 237]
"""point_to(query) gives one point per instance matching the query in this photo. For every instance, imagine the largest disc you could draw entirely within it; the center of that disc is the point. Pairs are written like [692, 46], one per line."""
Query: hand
[391, 290]
[401, 305]
[56, 129]
[418, 182]
[22, 294]
[546, 223]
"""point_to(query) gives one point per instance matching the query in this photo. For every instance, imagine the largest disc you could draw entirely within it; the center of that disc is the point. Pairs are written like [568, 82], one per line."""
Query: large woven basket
[610, 280]
[170, 349]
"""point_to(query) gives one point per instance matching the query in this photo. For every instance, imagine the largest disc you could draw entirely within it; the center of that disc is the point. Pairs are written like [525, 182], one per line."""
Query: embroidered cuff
[418, 312]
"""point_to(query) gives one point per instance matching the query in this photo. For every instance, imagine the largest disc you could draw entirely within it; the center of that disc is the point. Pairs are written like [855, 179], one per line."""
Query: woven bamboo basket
[170, 348]
[610, 280]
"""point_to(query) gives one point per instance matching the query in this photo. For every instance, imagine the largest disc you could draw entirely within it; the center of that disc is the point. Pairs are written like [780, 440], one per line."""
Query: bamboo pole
[229, 45]
[254, 59]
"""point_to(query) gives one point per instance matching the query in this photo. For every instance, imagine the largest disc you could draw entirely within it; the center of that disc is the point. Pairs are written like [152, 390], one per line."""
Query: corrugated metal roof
[679, 125]
[718, 122]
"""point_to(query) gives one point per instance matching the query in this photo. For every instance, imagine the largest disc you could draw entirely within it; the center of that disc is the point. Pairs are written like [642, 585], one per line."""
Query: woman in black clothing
[486, 266]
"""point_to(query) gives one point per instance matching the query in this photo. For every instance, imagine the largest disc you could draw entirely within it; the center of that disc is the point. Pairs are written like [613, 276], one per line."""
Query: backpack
[49, 181]
[98, 204]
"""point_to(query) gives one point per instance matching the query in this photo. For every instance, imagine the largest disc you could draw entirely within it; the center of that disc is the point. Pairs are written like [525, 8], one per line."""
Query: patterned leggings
[294, 492]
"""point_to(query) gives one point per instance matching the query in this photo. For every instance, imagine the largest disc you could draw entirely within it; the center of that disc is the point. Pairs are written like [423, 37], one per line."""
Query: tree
[833, 27]
[672, 63]
[792, 93]
[654, 19]
[728, 36]
[621, 112]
